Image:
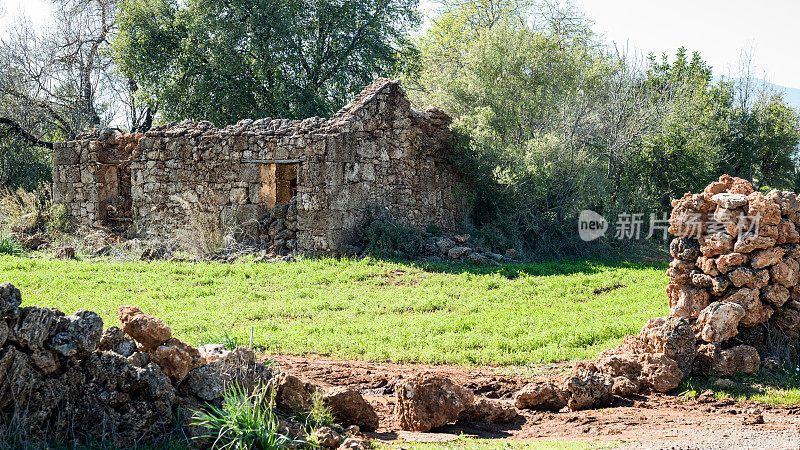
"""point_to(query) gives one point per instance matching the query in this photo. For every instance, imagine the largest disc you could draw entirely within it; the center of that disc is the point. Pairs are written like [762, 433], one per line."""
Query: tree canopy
[225, 60]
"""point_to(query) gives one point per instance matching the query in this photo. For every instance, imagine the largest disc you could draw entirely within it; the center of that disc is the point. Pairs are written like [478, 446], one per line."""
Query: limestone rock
[716, 244]
[587, 388]
[350, 408]
[35, 326]
[755, 311]
[544, 396]
[489, 410]
[213, 352]
[748, 242]
[426, 401]
[725, 263]
[685, 248]
[647, 370]
[719, 321]
[729, 201]
[294, 394]
[759, 205]
[686, 301]
[708, 266]
[10, 299]
[713, 360]
[327, 437]
[145, 329]
[775, 295]
[64, 253]
[766, 257]
[786, 272]
[176, 359]
[671, 336]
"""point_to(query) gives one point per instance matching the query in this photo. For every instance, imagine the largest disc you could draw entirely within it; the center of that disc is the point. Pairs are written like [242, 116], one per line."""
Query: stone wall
[191, 176]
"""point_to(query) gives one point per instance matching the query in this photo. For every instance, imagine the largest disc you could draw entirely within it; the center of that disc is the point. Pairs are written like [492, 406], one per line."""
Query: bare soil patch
[648, 421]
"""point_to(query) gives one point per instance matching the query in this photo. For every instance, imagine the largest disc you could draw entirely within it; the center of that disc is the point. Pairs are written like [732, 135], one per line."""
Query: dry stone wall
[192, 176]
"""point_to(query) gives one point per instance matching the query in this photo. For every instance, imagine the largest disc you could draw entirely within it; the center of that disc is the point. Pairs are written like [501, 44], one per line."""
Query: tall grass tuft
[245, 421]
[9, 246]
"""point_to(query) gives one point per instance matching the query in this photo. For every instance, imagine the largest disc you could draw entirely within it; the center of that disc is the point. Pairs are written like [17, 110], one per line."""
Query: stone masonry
[325, 174]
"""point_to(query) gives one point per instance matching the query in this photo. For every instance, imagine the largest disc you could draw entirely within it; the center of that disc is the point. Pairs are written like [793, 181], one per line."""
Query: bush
[9, 246]
[388, 239]
[59, 219]
[244, 421]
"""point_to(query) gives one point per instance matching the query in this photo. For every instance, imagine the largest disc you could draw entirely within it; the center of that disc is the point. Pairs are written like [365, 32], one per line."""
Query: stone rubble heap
[733, 292]
[735, 272]
[279, 227]
[64, 376]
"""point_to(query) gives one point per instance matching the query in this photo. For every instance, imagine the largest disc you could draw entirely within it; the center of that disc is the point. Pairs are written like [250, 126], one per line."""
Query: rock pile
[733, 286]
[63, 375]
[735, 271]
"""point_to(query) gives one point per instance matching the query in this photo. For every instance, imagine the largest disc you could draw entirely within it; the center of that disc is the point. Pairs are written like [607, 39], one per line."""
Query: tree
[234, 59]
[56, 84]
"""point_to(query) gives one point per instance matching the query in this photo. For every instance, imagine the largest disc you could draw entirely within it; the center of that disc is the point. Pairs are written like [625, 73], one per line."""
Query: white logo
[591, 225]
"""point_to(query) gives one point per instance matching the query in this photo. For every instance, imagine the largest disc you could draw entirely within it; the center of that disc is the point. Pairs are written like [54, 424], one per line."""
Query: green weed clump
[9, 246]
[245, 421]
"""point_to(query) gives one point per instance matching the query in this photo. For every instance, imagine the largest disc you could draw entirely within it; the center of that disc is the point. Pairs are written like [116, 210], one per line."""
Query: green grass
[781, 388]
[367, 309]
[464, 443]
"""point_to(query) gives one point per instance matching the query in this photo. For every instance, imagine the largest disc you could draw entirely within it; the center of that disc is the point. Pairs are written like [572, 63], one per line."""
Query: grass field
[367, 308]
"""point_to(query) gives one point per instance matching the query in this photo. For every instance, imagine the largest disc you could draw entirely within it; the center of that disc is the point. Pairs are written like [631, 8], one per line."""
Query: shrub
[59, 219]
[9, 246]
[244, 421]
[388, 239]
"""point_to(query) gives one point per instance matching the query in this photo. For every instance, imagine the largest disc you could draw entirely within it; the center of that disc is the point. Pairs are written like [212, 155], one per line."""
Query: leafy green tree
[225, 60]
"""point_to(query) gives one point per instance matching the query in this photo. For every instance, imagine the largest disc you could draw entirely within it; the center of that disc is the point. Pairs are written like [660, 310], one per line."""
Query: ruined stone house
[300, 184]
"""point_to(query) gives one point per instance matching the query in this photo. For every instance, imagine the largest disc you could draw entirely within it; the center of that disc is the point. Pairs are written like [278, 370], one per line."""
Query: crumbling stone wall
[187, 175]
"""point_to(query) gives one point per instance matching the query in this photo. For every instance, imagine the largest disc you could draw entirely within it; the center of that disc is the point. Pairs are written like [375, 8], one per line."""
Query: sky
[720, 29]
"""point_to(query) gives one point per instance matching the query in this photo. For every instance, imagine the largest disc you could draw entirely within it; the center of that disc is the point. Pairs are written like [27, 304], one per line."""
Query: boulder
[145, 329]
[444, 245]
[749, 299]
[213, 352]
[349, 408]
[686, 301]
[78, 334]
[767, 257]
[35, 326]
[768, 211]
[775, 295]
[426, 401]
[685, 248]
[114, 340]
[748, 242]
[716, 244]
[719, 321]
[543, 396]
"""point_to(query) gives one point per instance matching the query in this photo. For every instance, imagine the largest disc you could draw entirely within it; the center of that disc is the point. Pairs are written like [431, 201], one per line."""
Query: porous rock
[145, 329]
[426, 401]
[542, 395]
[719, 321]
[587, 388]
[489, 410]
[349, 408]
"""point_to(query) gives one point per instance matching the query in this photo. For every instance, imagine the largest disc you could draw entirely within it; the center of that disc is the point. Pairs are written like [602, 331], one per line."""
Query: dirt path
[648, 421]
